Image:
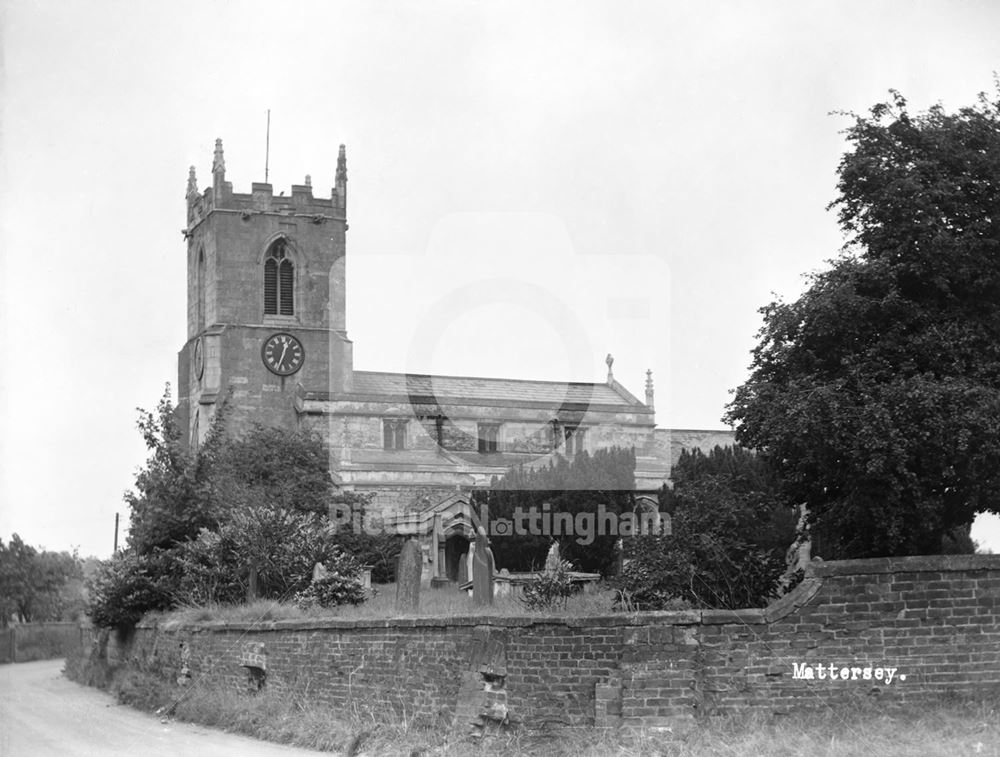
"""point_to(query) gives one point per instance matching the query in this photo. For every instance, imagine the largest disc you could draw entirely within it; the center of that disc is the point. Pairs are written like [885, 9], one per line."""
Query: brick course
[935, 619]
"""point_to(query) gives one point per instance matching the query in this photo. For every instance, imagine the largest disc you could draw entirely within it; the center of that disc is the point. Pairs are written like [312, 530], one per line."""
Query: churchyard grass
[444, 602]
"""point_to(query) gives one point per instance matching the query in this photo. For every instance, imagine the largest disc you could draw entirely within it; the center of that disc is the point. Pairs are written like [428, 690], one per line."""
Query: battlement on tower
[261, 200]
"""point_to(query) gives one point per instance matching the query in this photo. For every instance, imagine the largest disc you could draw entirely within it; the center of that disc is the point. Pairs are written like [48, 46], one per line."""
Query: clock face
[283, 354]
[199, 358]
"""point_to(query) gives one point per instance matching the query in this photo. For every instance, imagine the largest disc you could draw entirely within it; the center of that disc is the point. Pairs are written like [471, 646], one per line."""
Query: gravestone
[482, 570]
[552, 561]
[408, 571]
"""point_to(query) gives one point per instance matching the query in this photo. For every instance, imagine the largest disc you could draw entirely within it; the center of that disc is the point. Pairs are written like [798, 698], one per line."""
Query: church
[266, 328]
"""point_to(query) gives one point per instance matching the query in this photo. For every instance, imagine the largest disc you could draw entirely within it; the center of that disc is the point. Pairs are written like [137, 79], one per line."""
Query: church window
[575, 437]
[279, 281]
[394, 433]
[489, 437]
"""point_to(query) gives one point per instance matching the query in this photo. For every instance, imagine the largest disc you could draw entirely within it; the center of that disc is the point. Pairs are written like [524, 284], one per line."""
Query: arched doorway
[456, 555]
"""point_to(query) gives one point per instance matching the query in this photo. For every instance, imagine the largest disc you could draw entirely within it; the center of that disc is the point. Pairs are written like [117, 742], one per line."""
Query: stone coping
[780, 608]
[918, 564]
[672, 618]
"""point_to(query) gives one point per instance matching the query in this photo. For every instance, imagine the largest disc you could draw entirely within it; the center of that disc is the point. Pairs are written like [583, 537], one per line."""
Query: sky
[531, 187]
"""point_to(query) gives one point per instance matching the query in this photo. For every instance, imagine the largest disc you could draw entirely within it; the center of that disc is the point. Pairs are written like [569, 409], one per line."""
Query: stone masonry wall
[935, 621]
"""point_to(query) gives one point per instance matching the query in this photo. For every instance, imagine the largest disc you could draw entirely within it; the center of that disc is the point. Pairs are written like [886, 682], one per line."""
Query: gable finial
[610, 361]
[649, 387]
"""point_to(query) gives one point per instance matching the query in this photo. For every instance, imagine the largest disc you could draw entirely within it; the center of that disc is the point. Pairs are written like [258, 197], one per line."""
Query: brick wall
[934, 620]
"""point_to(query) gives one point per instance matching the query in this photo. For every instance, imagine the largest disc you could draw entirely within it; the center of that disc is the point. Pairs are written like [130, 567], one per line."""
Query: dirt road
[42, 713]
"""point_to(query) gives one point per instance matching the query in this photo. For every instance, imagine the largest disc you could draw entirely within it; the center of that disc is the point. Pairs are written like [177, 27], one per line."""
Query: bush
[126, 587]
[339, 585]
[379, 550]
[701, 570]
[331, 590]
[581, 484]
[551, 589]
[279, 544]
[240, 518]
[729, 534]
[210, 572]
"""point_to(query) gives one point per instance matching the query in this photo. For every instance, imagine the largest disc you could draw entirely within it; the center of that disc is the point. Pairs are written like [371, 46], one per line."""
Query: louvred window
[279, 281]
[285, 277]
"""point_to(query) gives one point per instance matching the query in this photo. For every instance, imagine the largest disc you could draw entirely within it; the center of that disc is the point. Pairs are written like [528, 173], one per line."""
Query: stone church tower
[267, 334]
[266, 300]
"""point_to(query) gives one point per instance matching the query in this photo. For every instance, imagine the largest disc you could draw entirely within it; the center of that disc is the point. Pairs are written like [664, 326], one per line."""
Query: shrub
[551, 589]
[703, 570]
[340, 585]
[572, 486]
[330, 591]
[210, 572]
[281, 545]
[126, 587]
[379, 550]
[729, 534]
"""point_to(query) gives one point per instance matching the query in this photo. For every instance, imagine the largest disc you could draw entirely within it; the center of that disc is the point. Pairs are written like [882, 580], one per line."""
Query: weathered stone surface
[489, 652]
[253, 654]
[471, 698]
[408, 572]
[185, 673]
[482, 571]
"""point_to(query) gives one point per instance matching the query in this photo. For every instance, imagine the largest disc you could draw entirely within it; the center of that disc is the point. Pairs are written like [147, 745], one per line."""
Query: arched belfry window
[279, 281]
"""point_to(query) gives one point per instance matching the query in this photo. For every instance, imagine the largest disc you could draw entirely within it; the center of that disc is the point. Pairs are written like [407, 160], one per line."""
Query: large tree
[580, 485]
[168, 504]
[730, 531]
[179, 492]
[36, 585]
[239, 516]
[876, 394]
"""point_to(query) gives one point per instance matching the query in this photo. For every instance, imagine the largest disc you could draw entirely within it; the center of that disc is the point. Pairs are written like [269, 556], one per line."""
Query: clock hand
[283, 351]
